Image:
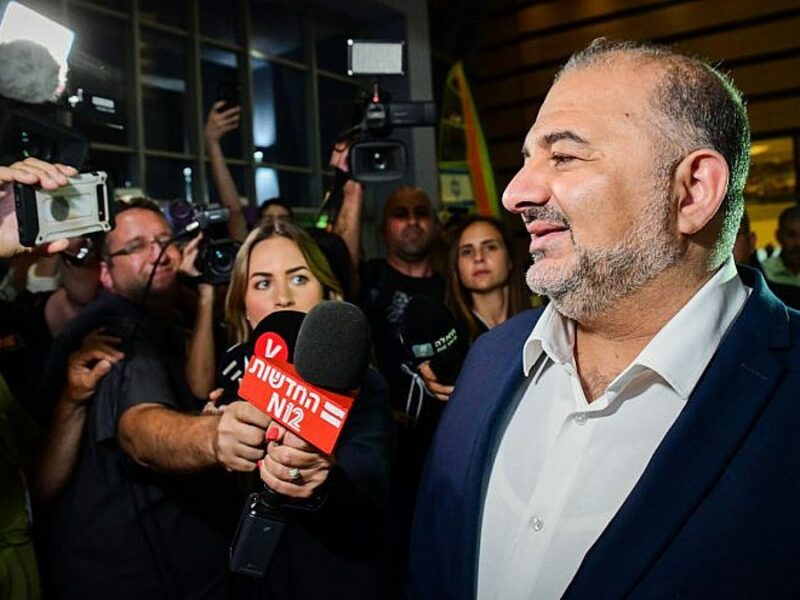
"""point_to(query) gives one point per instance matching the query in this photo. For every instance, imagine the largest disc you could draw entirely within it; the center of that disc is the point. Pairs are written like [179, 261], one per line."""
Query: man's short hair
[788, 214]
[120, 206]
[702, 108]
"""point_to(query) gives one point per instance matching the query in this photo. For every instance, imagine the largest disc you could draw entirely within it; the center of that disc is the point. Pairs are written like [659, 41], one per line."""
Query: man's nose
[528, 188]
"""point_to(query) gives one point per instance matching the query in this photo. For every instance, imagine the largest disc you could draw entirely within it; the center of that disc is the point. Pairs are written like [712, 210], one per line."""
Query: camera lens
[222, 260]
[380, 161]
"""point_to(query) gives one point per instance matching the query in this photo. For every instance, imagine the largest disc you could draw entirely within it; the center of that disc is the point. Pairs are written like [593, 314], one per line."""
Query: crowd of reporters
[137, 464]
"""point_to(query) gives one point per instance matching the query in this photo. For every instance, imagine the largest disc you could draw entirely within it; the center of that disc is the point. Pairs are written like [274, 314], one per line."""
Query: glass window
[168, 179]
[337, 112]
[772, 173]
[331, 47]
[219, 19]
[166, 13]
[164, 92]
[279, 113]
[120, 5]
[237, 172]
[277, 30]
[293, 188]
[220, 74]
[100, 64]
[120, 166]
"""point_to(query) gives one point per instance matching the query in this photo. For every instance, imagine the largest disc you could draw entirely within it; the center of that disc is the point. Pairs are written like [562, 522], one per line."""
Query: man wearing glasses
[139, 509]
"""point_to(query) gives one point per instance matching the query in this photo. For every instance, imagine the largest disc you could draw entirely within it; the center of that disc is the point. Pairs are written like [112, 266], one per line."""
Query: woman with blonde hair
[336, 504]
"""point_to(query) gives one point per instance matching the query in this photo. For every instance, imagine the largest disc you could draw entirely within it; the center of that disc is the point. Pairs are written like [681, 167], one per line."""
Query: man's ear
[105, 276]
[701, 181]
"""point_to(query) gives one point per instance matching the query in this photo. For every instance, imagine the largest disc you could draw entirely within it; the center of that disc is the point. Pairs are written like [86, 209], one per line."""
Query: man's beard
[413, 250]
[599, 277]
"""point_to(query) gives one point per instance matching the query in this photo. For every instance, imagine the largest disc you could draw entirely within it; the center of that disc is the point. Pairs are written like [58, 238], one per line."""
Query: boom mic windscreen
[332, 348]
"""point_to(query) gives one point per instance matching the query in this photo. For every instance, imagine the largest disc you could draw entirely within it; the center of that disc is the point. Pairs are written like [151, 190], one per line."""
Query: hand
[210, 407]
[439, 390]
[239, 441]
[89, 364]
[30, 171]
[220, 121]
[289, 452]
[189, 255]
[339, 156]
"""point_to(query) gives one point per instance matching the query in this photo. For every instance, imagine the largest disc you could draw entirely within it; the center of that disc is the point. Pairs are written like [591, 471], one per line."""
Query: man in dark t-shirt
[142, 510]
[409, 229]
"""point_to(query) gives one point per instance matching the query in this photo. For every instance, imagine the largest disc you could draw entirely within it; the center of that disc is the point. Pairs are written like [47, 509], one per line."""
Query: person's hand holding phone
[221, 120]
[30, 171]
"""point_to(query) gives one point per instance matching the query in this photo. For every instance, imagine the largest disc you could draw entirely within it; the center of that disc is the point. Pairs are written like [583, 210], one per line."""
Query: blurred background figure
[784, 267]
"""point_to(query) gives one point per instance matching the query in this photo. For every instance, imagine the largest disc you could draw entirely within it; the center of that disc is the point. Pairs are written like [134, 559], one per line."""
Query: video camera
[215, 257]
[374, 158]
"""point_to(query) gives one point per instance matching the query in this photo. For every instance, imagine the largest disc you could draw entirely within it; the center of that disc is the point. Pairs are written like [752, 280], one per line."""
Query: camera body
[215, 260]
[80, 207]
[375, 159]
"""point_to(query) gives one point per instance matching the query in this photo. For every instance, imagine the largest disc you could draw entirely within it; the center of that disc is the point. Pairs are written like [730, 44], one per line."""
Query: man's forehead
[588, 98]
[409, 201]
[136, 222]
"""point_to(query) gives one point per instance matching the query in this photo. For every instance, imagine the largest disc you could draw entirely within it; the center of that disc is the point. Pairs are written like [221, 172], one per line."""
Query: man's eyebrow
[558, 136]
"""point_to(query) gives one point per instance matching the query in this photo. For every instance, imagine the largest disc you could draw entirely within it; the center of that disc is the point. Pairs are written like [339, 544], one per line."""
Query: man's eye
[560, 159]
[136, 246]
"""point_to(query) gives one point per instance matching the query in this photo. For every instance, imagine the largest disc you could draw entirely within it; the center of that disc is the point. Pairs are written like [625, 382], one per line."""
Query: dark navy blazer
[716, 513]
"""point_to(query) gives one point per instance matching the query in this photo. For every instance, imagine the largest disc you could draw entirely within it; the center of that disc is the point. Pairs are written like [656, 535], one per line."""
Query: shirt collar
[678, 353]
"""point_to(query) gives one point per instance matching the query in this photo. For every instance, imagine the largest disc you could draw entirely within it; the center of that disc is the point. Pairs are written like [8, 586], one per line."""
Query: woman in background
[485, 286]
[334, 544]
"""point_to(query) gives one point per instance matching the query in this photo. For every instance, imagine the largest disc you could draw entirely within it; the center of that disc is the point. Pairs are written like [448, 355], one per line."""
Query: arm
[348, 221]
[166, 440]
[59, 454]
[30, 171]
[200, 356]
[218, 124]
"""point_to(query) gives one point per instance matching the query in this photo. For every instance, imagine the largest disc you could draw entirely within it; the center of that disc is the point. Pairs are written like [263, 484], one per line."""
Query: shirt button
[580, 418]
[536, 523]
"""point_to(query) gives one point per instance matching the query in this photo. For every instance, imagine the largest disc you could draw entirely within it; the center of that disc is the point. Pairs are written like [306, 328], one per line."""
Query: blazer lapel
[696, 450]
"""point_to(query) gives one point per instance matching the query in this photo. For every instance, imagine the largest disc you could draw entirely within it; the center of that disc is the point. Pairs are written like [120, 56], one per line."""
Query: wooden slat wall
[524, 43]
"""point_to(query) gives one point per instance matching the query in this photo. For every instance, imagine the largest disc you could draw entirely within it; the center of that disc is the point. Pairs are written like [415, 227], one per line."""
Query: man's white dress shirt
[563, 466]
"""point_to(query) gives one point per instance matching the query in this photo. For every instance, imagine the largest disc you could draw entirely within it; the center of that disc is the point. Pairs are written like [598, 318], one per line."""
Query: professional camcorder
[373, 156]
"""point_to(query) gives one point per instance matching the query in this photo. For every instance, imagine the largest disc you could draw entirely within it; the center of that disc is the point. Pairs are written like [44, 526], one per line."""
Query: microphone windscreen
[332, 348]
[276, 335]
[430, 332]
